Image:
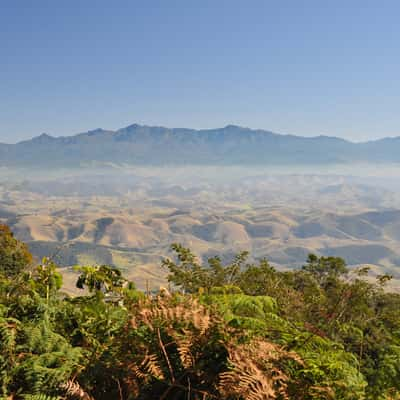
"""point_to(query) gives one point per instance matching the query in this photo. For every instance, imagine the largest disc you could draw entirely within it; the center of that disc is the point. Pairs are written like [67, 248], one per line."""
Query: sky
[301, 67]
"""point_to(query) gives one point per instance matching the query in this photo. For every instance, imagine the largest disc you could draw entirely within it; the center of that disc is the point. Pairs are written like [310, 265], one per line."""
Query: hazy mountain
[231, 145]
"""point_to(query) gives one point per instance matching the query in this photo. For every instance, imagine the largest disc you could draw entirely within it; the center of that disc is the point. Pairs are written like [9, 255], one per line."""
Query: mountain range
[231, 145]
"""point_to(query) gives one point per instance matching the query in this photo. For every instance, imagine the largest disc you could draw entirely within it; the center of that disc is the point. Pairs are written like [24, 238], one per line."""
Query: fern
[255, 373]
[74, 391]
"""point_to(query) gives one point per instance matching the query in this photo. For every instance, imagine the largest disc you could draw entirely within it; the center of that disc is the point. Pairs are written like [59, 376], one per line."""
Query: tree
[48, 280]
[14, 255]
[103, 278]
[192, 276]
[325, 269]
[186, 273]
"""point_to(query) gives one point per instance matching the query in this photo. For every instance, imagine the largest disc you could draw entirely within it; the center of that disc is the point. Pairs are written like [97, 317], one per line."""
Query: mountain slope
[231, 145]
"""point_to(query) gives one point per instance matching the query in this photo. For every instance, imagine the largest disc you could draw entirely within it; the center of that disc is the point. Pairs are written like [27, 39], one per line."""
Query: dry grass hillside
[133, 225]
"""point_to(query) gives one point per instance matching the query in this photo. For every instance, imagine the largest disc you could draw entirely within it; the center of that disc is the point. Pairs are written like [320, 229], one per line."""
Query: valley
[130, 218]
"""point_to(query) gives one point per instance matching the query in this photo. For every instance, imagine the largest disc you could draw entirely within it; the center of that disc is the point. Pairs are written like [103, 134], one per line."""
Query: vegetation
[237, 331]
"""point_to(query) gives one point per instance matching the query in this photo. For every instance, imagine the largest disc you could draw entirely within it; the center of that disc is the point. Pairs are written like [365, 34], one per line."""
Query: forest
[236, 330]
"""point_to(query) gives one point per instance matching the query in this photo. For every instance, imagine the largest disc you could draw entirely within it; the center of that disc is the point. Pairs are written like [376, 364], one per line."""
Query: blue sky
[301, 67]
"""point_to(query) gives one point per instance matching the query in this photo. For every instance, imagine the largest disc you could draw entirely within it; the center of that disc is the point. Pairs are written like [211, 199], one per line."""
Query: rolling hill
[137, 241]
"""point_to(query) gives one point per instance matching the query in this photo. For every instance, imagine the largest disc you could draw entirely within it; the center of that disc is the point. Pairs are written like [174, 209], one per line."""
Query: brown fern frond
[184, 346]
[74, 391]
[161, 310]
[152, 366]
[247, 380]
[255, 373]
[149, 368]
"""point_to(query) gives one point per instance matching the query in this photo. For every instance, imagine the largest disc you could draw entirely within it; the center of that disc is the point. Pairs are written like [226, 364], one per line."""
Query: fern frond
[255, 372]
[8, 334]
[148, 369]
[74, 391]
[184, 346]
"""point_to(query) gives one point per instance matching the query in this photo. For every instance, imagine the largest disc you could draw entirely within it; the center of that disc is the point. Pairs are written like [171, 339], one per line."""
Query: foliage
[192, 276]
[14, 255]
[99, 278]
[237, 331]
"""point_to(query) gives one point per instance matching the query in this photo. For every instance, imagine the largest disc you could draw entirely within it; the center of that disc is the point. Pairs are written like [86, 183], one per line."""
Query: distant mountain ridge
[231, 145]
